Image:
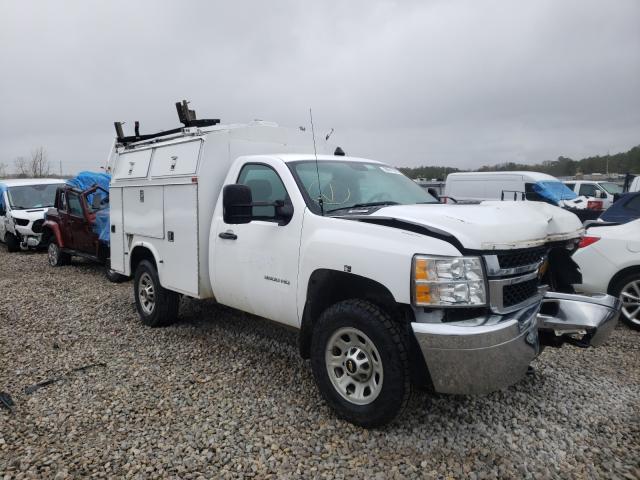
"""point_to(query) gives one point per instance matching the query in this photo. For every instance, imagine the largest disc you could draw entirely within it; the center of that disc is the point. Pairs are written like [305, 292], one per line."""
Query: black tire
[55, 256]
[389, 343]
[13, 245]
[112, 276]
[164, 310]
[616, 290]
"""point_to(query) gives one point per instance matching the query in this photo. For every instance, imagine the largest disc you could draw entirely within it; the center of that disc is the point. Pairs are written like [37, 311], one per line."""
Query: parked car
[78, 223]
[386, 286]
[596, 190]
[625, 209]
[609, 258]
[518, 186]
[23, 203]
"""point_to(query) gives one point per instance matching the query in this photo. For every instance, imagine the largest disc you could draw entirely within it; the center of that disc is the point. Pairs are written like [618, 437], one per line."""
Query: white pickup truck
[388, 288]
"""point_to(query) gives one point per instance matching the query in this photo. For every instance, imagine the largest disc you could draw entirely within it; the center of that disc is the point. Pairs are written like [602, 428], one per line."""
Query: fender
[55, 228]
[139, 245]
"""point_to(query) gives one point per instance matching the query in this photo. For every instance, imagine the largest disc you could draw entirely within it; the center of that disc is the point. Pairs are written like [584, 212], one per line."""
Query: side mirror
[236, 204]
[599, 194]
[284, 212]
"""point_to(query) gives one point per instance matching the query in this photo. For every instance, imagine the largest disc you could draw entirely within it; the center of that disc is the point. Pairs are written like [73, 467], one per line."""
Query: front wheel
[55, 256]
[360, 362]
[13, 244]
[157, 306]
[627, 289]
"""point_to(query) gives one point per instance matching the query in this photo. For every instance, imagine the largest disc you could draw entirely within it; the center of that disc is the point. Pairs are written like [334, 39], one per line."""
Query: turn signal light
[423, 294]
[421, 272]
[586, 241]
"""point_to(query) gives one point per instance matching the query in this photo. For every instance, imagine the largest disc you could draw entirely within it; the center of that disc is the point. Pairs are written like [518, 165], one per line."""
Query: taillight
[586, 241]
[594, 204]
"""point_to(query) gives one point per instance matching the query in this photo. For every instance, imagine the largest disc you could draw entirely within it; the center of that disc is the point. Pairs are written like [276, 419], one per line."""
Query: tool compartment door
[143, 206]
[133, 165]
[180, 268]
[176, 159]
[116, 234]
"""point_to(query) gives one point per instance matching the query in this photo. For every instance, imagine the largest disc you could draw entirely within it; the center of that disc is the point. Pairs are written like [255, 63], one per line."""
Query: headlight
[448, 281]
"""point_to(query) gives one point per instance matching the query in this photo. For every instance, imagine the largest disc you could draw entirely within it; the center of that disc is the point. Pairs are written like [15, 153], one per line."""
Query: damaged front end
[579, 320]
[493, 350]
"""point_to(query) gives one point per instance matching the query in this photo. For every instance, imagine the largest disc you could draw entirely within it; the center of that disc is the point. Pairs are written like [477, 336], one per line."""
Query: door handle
[228, 236]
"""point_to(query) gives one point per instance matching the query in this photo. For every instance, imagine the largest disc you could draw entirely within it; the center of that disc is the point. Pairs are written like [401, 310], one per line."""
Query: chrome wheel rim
[354, 366]
[53, 253]
[630, 296]
[146, 293]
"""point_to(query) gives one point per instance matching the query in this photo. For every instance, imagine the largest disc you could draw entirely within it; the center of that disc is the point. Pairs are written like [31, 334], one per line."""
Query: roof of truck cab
[21, 182]
[294, 157]
[534, 176]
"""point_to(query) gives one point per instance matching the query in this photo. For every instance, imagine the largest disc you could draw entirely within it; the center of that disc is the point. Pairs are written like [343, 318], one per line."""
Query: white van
[23, 203]
[535, 186]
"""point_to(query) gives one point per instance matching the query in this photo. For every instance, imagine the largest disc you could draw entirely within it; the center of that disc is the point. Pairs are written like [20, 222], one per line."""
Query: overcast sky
[455, 83]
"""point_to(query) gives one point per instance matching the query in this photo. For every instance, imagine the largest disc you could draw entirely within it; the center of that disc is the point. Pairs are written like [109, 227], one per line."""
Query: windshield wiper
[362, 205]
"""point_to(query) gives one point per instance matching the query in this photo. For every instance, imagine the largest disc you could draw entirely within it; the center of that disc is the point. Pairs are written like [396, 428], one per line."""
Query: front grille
[519, 292]
[521, 257]
[23, 222]
[37, 226]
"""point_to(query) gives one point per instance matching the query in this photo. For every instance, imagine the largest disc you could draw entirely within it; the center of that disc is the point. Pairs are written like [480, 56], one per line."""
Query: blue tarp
[554, 191]
[101, 227]
[3, 188]
[86, 180]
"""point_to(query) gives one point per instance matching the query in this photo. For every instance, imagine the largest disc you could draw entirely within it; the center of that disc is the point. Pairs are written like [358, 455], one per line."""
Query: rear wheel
[627, 289]
[13, 245]
[360, 362]
[157, 306]
[55, 256]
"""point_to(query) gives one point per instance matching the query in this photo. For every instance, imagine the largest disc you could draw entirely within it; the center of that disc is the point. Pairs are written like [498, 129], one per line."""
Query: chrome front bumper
[488, 353]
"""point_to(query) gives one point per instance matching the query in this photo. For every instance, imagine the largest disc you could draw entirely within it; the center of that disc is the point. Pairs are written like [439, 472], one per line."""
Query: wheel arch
[142, 252]
[50, 229]
[616, 278]
[327, 287]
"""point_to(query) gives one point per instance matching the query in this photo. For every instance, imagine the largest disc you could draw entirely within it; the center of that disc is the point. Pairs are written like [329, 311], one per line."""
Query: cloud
[460, 83]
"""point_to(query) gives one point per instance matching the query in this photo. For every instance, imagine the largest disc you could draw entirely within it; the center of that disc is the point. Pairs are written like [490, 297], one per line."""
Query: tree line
[35, 166]
[623, 162]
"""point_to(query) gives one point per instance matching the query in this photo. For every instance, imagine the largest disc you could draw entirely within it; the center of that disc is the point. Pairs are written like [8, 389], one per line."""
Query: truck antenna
[315, 152]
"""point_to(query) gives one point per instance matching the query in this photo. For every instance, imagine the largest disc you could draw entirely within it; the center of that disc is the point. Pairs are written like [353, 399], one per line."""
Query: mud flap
[580, 320]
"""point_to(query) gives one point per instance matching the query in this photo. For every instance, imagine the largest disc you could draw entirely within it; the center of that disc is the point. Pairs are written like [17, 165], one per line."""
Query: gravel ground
[222, 394]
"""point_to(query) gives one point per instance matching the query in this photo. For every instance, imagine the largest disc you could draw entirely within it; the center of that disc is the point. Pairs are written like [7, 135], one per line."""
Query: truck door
[256, 264]
[65, 224]
[76, 224]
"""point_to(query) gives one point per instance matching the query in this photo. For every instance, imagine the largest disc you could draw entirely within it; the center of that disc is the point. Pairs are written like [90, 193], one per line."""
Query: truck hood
[488, 225]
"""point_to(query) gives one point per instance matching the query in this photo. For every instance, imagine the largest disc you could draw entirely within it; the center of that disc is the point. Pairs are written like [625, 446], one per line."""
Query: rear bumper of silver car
[488, 353]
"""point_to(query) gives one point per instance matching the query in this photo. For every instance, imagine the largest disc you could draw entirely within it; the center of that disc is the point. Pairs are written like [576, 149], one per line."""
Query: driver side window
[265, 186]
[588, 190]
[75, 207]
